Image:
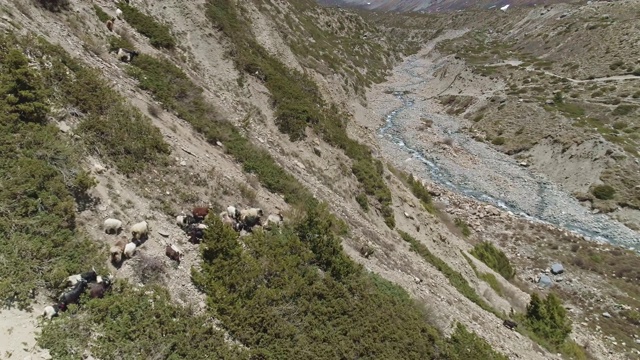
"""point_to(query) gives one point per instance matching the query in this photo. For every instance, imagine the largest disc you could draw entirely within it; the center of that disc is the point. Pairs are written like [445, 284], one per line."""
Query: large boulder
[557, 269]
[544, 281]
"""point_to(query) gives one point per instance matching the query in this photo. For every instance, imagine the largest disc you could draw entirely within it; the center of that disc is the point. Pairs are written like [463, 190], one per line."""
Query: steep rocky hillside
[276, 105]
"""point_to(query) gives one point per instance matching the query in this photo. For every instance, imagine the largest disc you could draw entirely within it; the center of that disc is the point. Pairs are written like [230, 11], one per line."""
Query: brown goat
[110, 23]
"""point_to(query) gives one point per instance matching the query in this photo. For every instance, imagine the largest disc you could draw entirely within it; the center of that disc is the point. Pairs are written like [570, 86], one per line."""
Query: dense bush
[455, 278]
[548, 319]
[158, 34]
[135, 323]
[603, 192]
[494, 258]
[296, 294]
[40, 174]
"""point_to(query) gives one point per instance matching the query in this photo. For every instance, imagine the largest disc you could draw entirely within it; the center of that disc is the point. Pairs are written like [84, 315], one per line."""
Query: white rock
[606, 314]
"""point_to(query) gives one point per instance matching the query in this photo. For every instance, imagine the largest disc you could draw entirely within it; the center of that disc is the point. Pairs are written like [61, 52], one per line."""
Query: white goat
[130, 250]
[140, 229]
[250, 217]
[51, 311]
[273, 220]
[112, 226]
[233, 212]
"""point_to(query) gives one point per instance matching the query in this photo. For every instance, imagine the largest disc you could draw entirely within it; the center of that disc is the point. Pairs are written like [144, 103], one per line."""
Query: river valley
[472, 168]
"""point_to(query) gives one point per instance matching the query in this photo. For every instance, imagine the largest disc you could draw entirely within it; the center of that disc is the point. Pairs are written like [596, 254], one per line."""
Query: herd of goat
[241, 221]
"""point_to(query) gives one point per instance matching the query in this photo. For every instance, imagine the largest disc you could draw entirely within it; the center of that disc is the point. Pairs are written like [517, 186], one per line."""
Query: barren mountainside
[407, 183]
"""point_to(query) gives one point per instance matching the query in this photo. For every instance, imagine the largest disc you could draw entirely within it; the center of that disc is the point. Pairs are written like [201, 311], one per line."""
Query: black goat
[72, 296]
[510, 324]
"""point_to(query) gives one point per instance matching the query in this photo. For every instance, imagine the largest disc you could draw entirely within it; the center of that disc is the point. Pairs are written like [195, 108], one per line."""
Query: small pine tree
[548, 318]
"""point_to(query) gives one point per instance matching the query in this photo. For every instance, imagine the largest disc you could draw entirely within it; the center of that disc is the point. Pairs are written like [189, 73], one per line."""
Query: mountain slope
[255, 113]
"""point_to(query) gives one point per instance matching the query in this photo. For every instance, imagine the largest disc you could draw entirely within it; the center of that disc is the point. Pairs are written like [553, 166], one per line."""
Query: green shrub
[468, 345]
[548, 319]
[418, 191]
[624, 109]
[604, 192]
[296, 294]
[158, 34]
[492, 281]
[464, 228]
[101, 14]
[498, 141]
[273, 299]
[40, 176]
[116, 42]
[135, 323]
[362, 200]
[494, 258]
[455, 278]
[119, 131]
[636, 72]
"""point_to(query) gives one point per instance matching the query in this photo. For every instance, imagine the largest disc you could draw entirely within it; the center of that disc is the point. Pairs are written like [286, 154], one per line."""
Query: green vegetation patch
[119, 132]
[493, 258]
[40, 179]
[362, 200]
[486, 277]
[159, 34]
[604, 192]
[296, 294]
[135, 323]
[101, 14]
[624, 109]
[419, 191]
[116, 42]
[463, 226]
[455, 278]
[547, 319]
